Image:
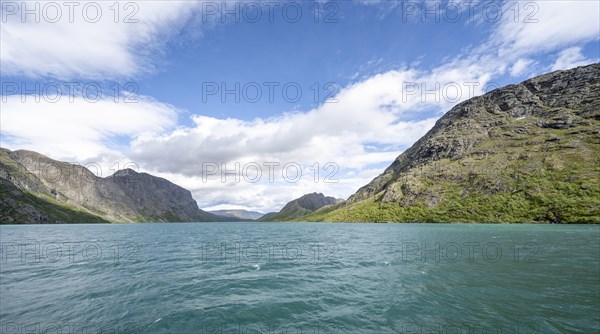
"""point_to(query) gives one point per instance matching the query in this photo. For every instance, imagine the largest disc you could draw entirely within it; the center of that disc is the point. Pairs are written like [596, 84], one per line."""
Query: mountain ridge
[539, 137]
[125, 196]
[301, 206]
[238, 214]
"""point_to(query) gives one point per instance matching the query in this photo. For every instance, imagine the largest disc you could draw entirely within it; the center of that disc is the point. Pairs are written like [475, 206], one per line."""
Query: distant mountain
[37, 189]
[238, 214]
[528, 152]
[267, 216]
[299, 207]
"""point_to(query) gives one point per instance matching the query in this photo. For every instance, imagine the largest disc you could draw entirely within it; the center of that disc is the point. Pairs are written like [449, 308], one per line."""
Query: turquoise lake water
[299, 278]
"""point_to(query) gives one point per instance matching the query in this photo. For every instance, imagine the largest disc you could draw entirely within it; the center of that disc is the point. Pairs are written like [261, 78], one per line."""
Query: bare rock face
[16, 208]
[126, 196]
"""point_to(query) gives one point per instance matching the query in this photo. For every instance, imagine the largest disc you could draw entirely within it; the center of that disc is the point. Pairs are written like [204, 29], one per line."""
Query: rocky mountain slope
[37, 189]
[17, 206]
[302, 206]
[528, 152]
[238, 214]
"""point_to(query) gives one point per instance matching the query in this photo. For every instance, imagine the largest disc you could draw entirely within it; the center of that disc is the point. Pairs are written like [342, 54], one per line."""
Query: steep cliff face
[126, 196]
[302, 206]
[22, 207]
[525, 152]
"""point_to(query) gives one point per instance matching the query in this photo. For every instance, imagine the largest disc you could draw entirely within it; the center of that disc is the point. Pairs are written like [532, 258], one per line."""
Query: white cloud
[520, 67]
[80, 44]
[265, 196]
[386, 109]
[79, 129]
[569, 58]
[543, 26]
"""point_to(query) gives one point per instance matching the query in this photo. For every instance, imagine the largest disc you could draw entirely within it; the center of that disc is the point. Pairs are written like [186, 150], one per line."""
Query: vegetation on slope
[522, 153]
[23, 207]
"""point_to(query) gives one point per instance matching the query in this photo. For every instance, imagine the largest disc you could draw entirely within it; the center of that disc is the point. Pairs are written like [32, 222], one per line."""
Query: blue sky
[369, 57]
[362, 41]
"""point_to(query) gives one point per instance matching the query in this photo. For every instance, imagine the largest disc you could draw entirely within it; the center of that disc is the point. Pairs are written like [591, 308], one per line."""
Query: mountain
[528, 152]
[17, 206]
[238, 214]
[301, 206]
[37, 189]
[267, 216]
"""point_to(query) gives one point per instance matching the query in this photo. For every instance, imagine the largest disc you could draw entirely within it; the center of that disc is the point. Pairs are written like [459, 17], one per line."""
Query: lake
[299, 278]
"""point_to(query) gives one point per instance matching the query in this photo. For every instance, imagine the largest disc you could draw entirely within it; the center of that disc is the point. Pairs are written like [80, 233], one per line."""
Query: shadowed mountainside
[37, 189]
